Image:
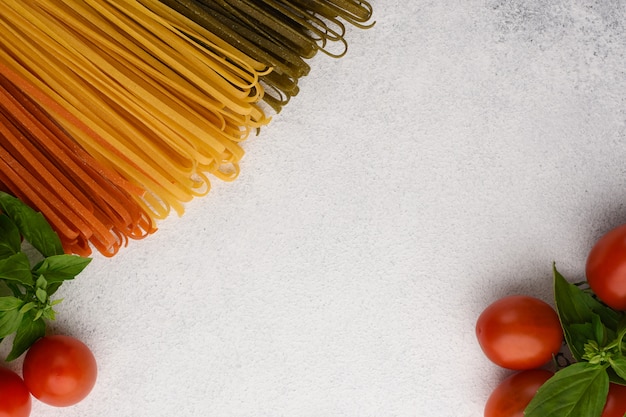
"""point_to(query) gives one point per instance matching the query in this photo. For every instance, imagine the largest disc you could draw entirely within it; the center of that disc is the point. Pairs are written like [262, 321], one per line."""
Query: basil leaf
[16, 268]
[621, 332]
[4, 289]
[601, 333]
[9, 322]
[27, 307]
[41, 295]
[619, 366]
[10, 238]
[577, 307]
[577, 336]
[32, 224]
[577, 390]
[10, 303]
[52, 288]
[27, 333]
[613, 377]
[60, 268]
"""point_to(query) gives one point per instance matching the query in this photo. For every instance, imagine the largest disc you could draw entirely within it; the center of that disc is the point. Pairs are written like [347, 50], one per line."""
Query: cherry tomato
[606, 268]
[59, 370]
[519, 332]
[615, 402]
[510, 398]
[15, 398]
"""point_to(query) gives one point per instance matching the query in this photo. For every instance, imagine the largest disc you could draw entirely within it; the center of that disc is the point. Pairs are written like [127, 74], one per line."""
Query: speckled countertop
[456, 152]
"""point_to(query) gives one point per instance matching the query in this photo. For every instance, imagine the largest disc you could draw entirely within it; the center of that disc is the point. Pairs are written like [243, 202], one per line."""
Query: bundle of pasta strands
[87, 203]
[282, 34]
[161, 101]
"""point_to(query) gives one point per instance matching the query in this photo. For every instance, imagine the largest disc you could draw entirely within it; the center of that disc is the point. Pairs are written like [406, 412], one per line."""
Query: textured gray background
[457, 151]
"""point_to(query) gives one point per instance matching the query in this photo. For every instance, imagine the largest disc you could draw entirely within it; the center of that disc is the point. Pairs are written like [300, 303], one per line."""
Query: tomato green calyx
[26, 286]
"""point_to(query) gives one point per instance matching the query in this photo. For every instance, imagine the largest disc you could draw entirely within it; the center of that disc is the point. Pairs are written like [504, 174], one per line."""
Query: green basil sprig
[25, 289]
[594, 334]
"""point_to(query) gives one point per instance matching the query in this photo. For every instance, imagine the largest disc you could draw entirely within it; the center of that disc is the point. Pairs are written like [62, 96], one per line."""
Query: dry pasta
[87, 203]
[282, 34]
[114, 113]
[169, 109]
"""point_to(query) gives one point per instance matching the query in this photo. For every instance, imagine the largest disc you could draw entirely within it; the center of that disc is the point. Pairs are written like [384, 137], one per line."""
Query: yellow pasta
[168, 101]
[128, 108]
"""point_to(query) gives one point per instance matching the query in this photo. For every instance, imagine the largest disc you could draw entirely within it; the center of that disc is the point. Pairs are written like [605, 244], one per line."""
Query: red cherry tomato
[510, 398]
[15, 398]
[519, 332]
[606, 268]
[615, 402]
[59, 370]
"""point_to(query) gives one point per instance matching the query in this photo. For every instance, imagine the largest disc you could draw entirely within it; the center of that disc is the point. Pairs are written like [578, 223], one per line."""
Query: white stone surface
[457, 151]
